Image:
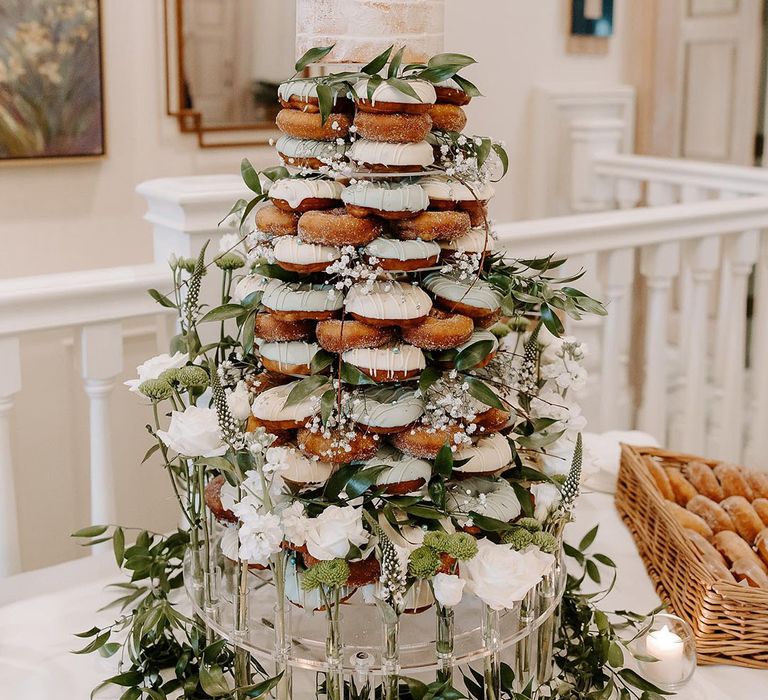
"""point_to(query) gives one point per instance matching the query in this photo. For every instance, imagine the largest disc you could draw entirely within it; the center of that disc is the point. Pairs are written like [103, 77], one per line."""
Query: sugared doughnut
[392, 254]
[492, 420]
[661, 479]
[745, 520]
[213, 500]
[403, 474]
[488, 456]
[269, 408]
[294, 301]
[337, 448]
[385, 409]
[486, 322]
[434, 226]
[297, 194]
[382, 157]
[761, 508]
[337, 227]
[475, 298]
[276, 222]
[492, 498]
[273, 330]
[306, 153]
[447, 359]
[732, 480]
[711, 513]
[385, 199]
[259, 383]
[425, 441]
[393, 128]
[748, 570]
[293, 357]
[439, 331]
[387, 99]
[308, 125]
[387, 304]
[299, 471]
[476, 240]
[301, 94]
[758, 482]
[447, 193]
[339, 336]
[688, 520]
[449, 92]
[291, 253]
[392, 363]
[682, 489]
[761, 544]
[711, 559]
[447, 117]
[733, 548]
[704, 480]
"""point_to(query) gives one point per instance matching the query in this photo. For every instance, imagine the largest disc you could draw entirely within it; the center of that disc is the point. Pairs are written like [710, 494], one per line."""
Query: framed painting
[51, 80]
[592, 18]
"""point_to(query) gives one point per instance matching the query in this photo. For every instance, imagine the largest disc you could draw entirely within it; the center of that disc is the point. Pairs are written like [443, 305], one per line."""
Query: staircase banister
[632, 228]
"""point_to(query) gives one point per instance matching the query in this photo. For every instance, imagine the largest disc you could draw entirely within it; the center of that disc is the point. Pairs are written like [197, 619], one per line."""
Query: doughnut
[247, 285]
[382, 157]
[418, 598]
[688, 520]
[301, 94]
[493, 498]
[733, 548]
[487, 321]
[761, 508]
[295, 301]
[704, 480]
[336, 227]
[476, 240]
[758, 482]
[449, 92]
[386, 410]
[492, 420]
[425, 441]
[488, 456]
[306, 125]
[439, 331]
[732, 480]
[295, 255]
[394, 363]
[446, 360]
[276, 222]
[434, 226]
[387, 304]
[299, 471]
[339, 336]
[259, 383]
[446, 193]
[745, 520]
[711, 513]
[279, 437]
[403, 474]
[293, 357]
[746, 569]
[761, 543]
[385, 199]
[711, 559]
[213, 500]
[306, 153]
[393, 128]
[387, 99]
[269, 409]
[294, 194]
[273, 330]
[661, 479]
[476, 299]
[338, 449]
[391, 254]
[447, 117]
[682, 489]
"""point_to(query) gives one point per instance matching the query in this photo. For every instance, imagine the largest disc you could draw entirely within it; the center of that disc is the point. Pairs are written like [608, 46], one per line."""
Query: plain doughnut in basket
[732, 480]
[704, 480]
[710, 512]
[745, 519]
[688, 520]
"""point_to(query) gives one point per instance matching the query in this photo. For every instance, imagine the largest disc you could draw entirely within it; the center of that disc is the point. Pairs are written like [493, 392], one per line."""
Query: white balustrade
[10, 384]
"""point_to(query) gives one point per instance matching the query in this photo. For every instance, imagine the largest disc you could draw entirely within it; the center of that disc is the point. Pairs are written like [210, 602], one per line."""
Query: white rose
[248, 285]
[546, 497]
[194, 433]
[448, 589]
[154, 367]
[331, 533]
[500, 576]
[230, 543]
[239, 401]
[260, 538]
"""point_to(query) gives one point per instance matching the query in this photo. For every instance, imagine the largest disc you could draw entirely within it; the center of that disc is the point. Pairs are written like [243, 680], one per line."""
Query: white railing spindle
[10, 384]
[757, 446]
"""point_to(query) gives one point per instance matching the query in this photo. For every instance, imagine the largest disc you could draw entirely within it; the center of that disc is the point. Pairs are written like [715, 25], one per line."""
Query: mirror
[224, 60]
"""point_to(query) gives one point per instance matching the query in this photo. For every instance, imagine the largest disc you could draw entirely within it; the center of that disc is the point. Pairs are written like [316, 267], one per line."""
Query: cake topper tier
[361, 29]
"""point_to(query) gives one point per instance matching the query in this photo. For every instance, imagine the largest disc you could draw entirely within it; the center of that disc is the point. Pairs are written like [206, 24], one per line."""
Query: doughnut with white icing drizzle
[386, 410]
[380, 156]
[386, 98]
[302, 194]
[489, 455]
[293, 254]
[393, 254]
[398, 200]
[475, 298]
[296, 301]
[388, 303]
[291, 357]
[269, 409]
[394, 363]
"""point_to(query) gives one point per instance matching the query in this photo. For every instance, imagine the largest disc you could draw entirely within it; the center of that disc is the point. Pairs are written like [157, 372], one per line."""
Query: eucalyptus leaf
[150, 452]
[250, 207]
[92, 531]
[427, 378]
[469, 88]
[275, 272]
[250, 176]
[320, 361]
[222, 313]
[443, 463]
[489, 524]
[95, 644]
[213, 682]
[118, 545]
[499, 150]
[314, 55]
[394, 64]
[249, 331]
[482, 392]
[304, 388]
[325, 101]
[161, 299]
[473, 354]
[352, 375]
[362, 480]
[588, 539]
[551, 321]
[483, 151]
[261, 689]
[404, 87]
[377, 63]
[451, 59]
[634, 679]
[327, 402]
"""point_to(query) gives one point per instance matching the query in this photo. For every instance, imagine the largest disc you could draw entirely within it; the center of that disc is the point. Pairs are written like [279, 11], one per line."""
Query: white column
[102, 362]
[658, 264]
[591, 138]
[757, 453]
[627, 193]
[10, 384]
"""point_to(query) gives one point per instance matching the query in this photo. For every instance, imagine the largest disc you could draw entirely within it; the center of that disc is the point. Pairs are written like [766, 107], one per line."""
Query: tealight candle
[668, 647]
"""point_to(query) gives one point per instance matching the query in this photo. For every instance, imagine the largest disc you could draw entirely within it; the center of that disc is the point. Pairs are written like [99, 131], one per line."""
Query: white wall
[67, 216]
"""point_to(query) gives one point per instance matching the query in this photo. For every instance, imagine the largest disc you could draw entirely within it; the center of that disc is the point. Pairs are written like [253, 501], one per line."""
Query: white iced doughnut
[290, 353]
[476, 240]
[270, 404]
[493, 498]
[392, 154]
[387, 362]
[382, 408]
[445, 188]
[478, 336]
[295, 190]
[386, 196]
[476, 293]
[490, 454]
[292, 148]
[384, 92]
[295, 296]
[388, 301]
[290, 249]
[394, 249]
[400, 468]
[302, 470]
[304, 89]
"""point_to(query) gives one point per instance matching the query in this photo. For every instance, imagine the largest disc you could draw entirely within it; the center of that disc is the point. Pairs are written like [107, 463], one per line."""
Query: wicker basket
[730, 622]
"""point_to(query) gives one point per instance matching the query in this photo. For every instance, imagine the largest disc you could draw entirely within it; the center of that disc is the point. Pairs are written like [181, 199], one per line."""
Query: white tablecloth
[40, 610]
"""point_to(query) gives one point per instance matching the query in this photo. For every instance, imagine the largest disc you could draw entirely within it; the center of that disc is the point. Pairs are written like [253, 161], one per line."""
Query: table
[40, 610]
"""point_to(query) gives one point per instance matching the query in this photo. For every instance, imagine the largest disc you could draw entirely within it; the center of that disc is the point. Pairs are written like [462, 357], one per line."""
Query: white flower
[331, 533]
[547, 497]
[230, 543]
[448, 589]
[154, 367]
[277, 459]
[500, 576]
[248, 285]
[194, 433]
[260, 538]
[239, 401]
[295, 523]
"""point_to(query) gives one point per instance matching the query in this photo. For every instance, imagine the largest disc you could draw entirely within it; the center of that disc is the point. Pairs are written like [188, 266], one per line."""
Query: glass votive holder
[670, 641]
